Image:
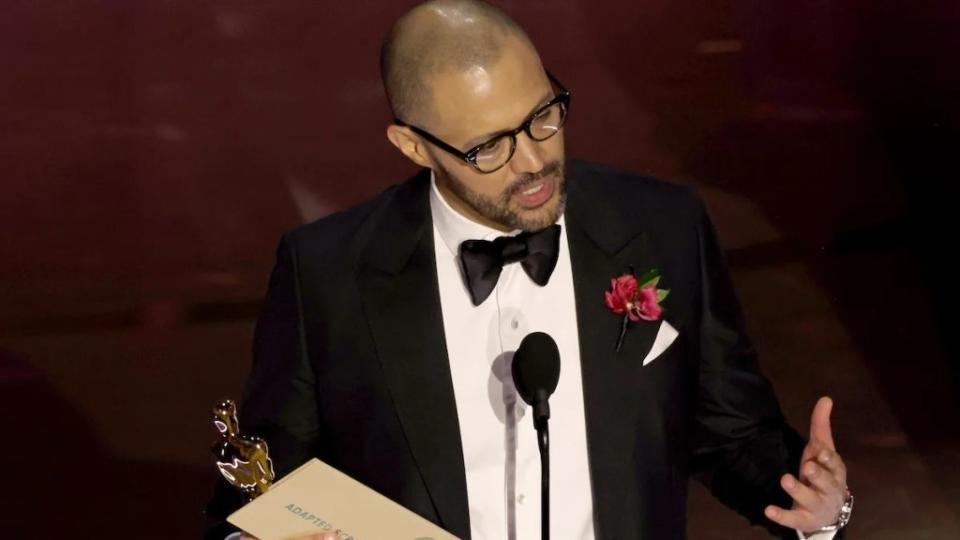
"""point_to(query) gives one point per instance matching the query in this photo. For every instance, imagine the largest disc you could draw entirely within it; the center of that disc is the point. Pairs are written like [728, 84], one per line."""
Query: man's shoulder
[632, 195]
[343, 232]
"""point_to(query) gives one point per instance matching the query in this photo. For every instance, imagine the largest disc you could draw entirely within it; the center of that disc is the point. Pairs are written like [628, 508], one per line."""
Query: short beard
[499, 210]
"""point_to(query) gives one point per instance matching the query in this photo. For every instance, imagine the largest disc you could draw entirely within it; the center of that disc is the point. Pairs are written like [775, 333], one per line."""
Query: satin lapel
[618, 413]
[401, 299]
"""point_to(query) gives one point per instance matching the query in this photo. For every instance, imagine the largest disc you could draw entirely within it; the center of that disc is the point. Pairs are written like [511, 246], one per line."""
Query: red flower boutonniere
[636, 299]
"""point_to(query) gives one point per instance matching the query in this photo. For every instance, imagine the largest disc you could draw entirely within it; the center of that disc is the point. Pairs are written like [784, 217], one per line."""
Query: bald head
[438, 37]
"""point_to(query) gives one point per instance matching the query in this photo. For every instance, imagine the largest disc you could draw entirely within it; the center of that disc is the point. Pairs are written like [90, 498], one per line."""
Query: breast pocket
[666, 336]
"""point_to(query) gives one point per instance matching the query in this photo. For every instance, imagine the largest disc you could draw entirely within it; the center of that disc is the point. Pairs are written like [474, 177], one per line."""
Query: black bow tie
[483, 260]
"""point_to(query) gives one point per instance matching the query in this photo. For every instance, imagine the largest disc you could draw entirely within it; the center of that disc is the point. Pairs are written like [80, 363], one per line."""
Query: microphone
[536, 372]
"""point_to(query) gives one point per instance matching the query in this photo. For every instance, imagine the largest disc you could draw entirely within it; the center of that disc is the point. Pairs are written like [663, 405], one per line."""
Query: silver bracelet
[844, 517]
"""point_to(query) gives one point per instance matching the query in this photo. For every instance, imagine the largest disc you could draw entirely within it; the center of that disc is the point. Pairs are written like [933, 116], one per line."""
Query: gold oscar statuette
[243, 461]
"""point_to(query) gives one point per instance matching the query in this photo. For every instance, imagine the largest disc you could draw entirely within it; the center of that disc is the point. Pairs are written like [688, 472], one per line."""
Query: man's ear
[409, 145]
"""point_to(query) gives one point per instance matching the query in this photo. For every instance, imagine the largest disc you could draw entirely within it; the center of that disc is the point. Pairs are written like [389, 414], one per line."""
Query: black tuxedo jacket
[350, 362]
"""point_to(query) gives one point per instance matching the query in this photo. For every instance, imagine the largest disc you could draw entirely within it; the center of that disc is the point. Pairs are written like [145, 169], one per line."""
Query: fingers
[800, 519]
[817, 500]
[821, 488]
[833, 463]
[820, 430]
[319, 536]
[805, 496]
[822, 479]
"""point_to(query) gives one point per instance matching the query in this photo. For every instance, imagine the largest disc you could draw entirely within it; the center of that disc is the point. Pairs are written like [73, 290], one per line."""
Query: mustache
[526, 179]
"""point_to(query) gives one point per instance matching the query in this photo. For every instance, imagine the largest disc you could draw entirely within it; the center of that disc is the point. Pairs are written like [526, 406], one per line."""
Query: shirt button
[514, 324]
[520, 498]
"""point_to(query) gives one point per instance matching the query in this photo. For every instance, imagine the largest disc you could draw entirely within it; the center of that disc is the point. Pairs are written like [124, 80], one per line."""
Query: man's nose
[528, 156]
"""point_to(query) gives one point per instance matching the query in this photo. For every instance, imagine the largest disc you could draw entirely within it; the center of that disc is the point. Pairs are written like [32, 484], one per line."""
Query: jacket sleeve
[742, 444]
[279, 403]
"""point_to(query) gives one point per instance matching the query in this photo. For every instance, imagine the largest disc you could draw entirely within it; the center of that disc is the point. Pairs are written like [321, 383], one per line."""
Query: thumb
[820, 423]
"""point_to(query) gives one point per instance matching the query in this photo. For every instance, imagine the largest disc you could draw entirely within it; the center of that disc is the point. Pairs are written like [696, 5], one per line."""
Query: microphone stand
[541, 413]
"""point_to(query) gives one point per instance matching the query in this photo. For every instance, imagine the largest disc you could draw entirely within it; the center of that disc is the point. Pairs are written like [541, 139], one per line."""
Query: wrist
[846, 510]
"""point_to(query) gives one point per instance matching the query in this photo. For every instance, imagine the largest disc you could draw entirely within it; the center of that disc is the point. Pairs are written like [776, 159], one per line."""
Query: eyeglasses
[496, 152]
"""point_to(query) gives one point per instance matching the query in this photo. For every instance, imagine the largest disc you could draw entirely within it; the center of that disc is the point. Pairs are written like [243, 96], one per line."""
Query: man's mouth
[537, 193]
[534, 189]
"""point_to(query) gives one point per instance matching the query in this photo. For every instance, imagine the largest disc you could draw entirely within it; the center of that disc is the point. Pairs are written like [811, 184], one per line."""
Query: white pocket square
[665, 336]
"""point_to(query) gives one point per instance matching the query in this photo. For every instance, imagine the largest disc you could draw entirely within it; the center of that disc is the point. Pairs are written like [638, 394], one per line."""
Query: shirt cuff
[827, 535]
[236, 536]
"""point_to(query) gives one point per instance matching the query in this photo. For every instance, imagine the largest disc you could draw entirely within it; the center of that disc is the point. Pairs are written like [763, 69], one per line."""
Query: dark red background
[151, 153]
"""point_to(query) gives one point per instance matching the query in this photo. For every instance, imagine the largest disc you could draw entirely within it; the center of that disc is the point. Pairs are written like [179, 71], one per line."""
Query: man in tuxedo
[385, 341]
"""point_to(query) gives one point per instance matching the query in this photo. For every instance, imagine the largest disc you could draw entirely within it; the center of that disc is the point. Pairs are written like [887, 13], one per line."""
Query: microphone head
[536, 367]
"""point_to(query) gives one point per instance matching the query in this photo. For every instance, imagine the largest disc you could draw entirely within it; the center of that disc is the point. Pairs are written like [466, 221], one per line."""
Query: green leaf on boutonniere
[661, 294]
[650, 277]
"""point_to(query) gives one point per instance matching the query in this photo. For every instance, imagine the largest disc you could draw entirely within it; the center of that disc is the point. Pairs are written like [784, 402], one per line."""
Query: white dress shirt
[500, 451]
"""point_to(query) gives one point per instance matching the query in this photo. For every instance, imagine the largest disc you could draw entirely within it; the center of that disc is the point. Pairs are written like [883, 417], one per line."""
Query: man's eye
[490, 145]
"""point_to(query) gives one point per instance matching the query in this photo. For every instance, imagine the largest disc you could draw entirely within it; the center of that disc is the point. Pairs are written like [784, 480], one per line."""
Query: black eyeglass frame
[470, 156]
